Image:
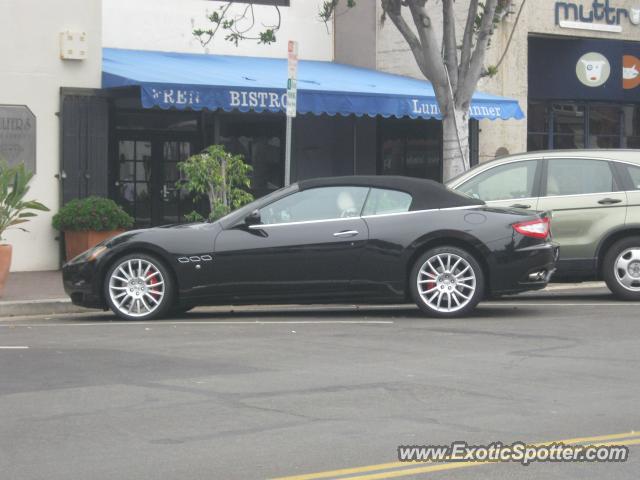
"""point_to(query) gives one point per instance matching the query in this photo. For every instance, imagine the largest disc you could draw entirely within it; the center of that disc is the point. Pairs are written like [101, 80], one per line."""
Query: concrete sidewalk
[42, 293]
[35, 293]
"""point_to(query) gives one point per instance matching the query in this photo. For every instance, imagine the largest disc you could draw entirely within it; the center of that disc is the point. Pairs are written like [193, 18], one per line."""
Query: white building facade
[33, 73]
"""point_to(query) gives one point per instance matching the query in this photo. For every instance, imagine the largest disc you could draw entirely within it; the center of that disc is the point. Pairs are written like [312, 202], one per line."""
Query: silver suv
[595, 199]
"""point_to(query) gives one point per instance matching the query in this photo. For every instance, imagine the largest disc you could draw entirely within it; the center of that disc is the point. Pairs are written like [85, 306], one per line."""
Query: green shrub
[92, 213]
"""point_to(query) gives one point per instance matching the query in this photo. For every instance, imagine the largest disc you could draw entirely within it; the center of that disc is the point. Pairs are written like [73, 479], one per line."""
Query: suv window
[316, 204]
[510, 181]
[634, 173]
[381, 201]
[577, 176]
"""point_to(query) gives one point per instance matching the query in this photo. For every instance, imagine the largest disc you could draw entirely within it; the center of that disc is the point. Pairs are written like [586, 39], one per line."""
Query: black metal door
[147, 176]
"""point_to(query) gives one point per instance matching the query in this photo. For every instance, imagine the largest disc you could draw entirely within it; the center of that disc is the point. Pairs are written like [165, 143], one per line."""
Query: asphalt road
[254, 394]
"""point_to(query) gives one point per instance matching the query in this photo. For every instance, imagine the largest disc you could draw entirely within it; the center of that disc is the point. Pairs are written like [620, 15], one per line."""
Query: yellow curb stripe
[453, 466]
[390, 465]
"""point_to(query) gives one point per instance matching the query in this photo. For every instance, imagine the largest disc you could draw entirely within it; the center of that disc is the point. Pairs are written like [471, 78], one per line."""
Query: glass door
[146, 179]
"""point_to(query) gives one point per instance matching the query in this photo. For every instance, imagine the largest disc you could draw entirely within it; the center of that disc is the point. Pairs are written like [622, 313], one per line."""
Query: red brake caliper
[152, 281]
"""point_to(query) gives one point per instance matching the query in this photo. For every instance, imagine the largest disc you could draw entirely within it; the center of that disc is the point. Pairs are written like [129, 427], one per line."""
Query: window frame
[297, 192]
[619, 185]
[395, 190]
[622, 169]
[537, 178]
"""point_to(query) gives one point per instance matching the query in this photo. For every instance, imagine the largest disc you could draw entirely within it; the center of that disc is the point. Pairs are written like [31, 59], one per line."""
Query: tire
[621, 268]
[132, 285]
[459, 277]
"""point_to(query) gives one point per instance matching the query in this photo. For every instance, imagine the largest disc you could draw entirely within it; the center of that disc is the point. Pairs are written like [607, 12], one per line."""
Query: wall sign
[18, 135]
[593, 69]
[598, 15]
[584, 69]
[630, 72]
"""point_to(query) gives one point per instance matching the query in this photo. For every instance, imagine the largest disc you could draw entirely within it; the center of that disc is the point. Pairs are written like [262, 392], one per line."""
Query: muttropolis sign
[598, 15]
[18, 135]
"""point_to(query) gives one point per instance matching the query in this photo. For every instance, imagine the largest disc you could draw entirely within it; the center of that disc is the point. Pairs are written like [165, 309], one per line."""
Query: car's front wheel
[621, 268]
[139, 287]
[446, 282]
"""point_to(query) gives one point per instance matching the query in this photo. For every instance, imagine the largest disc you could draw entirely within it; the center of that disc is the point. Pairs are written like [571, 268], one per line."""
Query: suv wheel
[139, 287]
[621, 268]
[446, 282]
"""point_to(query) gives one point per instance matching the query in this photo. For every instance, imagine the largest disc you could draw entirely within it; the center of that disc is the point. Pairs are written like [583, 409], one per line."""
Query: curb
[57, 306]
[39, 307]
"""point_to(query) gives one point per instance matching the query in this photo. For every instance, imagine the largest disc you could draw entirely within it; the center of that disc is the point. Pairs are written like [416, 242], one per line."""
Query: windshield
[242, 212]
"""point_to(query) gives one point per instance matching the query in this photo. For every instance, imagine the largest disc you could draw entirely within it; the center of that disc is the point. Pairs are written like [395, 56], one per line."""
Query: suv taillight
[535, 228]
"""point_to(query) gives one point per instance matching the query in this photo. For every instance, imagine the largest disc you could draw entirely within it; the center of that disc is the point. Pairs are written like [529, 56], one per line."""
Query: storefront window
[604, 126]
[568, 125]
[582, 125]
[411, 148]
[631, 136]
[260, 141]
[538, 126]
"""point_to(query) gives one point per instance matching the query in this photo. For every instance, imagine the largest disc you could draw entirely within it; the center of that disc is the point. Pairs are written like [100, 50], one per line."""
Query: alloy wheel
[627, 269]
[446, 282]
[136, 287]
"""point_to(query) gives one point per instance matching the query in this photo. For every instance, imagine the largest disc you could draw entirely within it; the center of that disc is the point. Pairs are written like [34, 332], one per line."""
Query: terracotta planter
[5, 265]
[77, 242]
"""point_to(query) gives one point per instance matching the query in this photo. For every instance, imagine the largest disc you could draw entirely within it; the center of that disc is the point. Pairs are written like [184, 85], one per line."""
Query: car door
[514, 184]
[306, 246]
[587, 201]
[631, 174]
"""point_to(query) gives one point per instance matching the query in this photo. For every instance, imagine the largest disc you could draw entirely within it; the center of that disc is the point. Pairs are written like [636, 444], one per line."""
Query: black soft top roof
[426, 194]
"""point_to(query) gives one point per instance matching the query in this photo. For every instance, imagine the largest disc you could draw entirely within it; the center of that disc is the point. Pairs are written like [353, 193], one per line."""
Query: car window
[578, 176]
[510, 181]
[381, 201]
[316, 204]
[634, 173]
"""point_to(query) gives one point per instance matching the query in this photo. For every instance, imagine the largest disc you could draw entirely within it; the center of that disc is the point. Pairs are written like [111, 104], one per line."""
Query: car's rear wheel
[139, 287]
[446, 282]
[621, 268]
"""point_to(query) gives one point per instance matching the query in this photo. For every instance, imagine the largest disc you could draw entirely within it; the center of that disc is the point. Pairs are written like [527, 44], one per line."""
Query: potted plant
[14, 210]
[88, 221]
[220, 176]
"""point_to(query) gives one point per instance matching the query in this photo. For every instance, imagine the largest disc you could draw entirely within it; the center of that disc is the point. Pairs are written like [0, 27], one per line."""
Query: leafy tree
[221, 177]
[453, 67]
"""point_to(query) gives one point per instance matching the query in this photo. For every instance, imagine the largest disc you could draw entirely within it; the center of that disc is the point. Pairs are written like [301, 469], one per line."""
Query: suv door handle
[520, 205]
[609, 201]
[346, 233]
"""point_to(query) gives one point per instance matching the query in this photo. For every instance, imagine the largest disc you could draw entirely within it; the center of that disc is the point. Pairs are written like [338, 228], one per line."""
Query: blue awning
[199, 81]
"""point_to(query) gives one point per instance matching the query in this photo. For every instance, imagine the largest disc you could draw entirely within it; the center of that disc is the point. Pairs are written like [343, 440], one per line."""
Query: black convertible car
[335, 240]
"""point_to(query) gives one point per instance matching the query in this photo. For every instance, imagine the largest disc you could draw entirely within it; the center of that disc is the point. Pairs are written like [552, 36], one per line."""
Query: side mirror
[253, 218]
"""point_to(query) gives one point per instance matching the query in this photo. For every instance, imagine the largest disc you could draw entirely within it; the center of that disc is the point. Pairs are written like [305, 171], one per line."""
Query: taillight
[535, 228]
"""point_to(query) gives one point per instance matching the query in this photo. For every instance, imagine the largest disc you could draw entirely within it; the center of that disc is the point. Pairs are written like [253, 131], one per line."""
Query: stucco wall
[167, 25]
[538, 17]
[32, 74]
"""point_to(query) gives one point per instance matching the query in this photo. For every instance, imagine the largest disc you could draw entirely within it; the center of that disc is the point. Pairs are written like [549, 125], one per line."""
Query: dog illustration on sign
[593, 69]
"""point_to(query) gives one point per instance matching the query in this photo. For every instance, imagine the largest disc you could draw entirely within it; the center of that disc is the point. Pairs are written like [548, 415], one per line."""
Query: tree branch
[463, 96]
[467, 40]
[430, 54]
[393, 9]
[450, 49]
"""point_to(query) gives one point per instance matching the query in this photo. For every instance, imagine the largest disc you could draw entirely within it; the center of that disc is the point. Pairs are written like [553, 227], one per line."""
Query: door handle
[346, 233]
[609, 201]
[520, 205]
